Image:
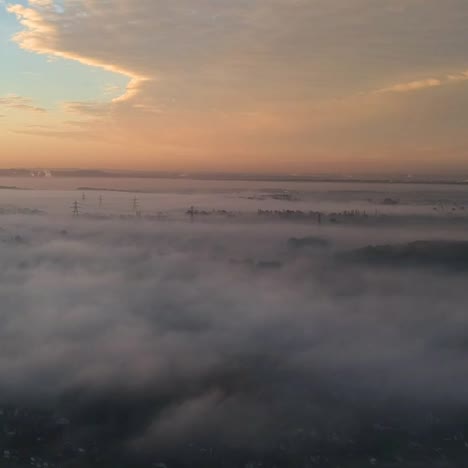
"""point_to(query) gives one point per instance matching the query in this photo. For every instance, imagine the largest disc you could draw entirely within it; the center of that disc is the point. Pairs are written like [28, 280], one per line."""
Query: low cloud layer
[191, 334]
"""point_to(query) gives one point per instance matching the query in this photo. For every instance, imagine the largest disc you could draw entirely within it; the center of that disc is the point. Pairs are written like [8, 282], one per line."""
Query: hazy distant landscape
[448, 177]
[234, 324]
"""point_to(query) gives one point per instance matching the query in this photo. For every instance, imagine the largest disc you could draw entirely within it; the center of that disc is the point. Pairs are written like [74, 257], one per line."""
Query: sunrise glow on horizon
[287, 86]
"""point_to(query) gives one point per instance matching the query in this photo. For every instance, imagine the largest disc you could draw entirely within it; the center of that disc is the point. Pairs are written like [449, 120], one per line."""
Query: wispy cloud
[16, 102]
[425, 83]
[93, 109]
[111, 89]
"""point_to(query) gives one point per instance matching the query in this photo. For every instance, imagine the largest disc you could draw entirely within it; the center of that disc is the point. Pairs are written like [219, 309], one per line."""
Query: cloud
[42, 3]
[412, 86]
[200, 71]
[211, 47]
[172, 330]
[94, 109]
[42, 35]
[425, 83]
[110, 89]
[15, 102]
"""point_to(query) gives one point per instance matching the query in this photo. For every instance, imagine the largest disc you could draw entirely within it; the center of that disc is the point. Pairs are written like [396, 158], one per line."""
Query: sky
[277, 86]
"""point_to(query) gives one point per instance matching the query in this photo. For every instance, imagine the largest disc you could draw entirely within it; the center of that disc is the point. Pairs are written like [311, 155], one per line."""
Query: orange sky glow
[290, 86]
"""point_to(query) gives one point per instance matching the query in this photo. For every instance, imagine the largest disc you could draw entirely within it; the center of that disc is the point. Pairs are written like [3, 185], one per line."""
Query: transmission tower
[136, 207]
[76, 209]
[191, 213]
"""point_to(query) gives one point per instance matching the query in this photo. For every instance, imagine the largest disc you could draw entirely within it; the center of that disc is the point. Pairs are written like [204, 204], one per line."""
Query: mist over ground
[155, 337]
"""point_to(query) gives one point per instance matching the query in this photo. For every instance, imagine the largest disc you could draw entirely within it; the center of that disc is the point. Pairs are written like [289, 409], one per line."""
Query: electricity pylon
[76, 209]
[136, 207]
[191, 213]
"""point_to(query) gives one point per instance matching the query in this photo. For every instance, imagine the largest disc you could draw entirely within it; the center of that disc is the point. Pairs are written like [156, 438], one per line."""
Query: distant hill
[103, 173]
[101, 189]
[10, 187]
